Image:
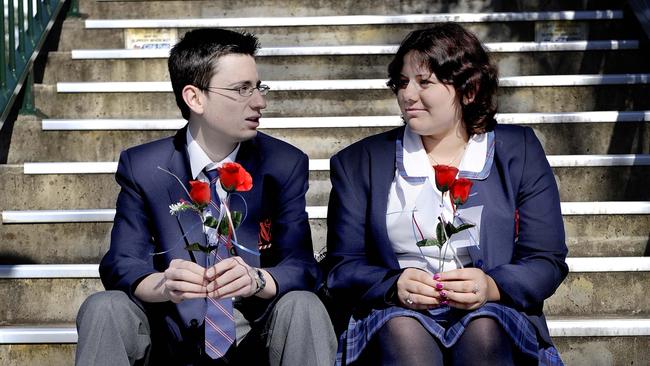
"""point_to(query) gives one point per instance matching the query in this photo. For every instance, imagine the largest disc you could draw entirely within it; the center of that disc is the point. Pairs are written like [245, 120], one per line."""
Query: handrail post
[74, 9]
[3, 59]
[12, 37]
[21, 30]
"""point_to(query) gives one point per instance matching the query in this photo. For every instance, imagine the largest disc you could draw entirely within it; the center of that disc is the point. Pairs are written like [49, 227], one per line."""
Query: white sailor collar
[413, 163]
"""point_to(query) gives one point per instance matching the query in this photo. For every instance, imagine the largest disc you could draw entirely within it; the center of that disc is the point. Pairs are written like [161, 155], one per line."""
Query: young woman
[476, 297]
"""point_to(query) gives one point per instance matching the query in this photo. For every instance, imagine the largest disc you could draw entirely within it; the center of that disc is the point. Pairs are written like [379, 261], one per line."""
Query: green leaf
[428, 243]
[196, 247]
[440, 234]
[464, 227]
[223, 227]
[236, 218]
[210, 221]
[450, 229]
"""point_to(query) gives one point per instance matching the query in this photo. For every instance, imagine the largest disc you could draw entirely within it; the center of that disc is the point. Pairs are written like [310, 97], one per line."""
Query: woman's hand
[467, 288]
[416, 290]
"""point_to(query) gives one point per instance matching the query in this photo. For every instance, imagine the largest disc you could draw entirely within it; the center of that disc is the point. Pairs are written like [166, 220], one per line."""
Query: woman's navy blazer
[527, 267]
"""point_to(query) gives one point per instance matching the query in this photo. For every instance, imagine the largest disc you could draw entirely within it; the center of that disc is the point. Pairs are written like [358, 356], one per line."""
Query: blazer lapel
[382, 173]
[191, 225]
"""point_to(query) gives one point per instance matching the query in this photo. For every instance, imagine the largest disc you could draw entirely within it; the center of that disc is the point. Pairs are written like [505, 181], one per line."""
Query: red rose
[459, 190]
[234, 177]
[200, 192]
[445, 176]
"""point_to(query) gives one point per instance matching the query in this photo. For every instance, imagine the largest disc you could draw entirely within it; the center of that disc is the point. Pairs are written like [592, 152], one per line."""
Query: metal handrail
[17, 54]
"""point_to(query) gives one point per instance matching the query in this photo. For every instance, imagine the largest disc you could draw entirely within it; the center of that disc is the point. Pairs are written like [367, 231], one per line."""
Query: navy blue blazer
[144, 226]
[363, 267]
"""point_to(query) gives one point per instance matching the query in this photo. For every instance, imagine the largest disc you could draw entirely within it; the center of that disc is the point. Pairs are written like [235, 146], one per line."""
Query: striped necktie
[219, 319]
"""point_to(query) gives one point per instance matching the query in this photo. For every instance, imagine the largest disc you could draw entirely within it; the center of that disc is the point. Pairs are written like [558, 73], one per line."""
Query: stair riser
[75, 36]
[587, 236]
[346, 67]
[37, 354]
[254, 8]
[82, 191]
[599, 294]
[604, 351]
[581, 294]
[578, 351]
[31, 144]
[339, 102]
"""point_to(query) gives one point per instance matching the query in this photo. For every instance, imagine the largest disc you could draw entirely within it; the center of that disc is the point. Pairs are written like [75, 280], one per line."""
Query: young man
[162, 311]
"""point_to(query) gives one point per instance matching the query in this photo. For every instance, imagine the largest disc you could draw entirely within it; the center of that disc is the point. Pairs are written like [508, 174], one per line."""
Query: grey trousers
[113, 331]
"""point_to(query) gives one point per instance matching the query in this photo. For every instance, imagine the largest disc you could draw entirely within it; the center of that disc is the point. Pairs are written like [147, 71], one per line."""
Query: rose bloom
[445, 176]
[459, 190]
[200, 192]
[234, 177]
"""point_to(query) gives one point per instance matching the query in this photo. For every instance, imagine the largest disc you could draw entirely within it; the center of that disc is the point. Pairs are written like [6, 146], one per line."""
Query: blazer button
[478, 263]
[194, 323]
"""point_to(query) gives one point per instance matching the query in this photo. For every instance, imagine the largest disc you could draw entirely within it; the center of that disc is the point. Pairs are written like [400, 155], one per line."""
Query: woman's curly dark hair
[457, 58]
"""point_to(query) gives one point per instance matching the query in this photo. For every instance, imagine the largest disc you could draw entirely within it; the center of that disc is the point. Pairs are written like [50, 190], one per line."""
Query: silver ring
[408, 299]
[475, 289]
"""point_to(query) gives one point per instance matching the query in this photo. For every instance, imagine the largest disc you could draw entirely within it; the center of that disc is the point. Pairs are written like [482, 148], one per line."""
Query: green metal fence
[24, 25]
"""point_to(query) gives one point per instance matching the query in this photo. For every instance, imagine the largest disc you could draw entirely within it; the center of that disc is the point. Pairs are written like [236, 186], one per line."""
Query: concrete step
[346, 66]
[90, 139]
[76, 35]
[351, 20]
[387, 49]
[338, 102]
[360, 84]
[245, 8]
[578, 351]
[66, 185]
[590, 232]
[587, 291]
[603, 350]
[37, 354]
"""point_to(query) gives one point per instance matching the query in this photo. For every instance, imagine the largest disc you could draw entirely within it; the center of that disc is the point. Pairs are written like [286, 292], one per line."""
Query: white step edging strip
[341, 122]
[111, 167]
[57, 216]
[35, 335]
[576, 265]
[574, 117]
[557, 328]
[560, 161]
[49, 271]
[323, 164]
[356, 84]
[112, 124]
[606, 208]
[623, 44]
[609, 264]
[259, 22]
[70, 168]
[599, 327]
[314, 212]
[573, 80]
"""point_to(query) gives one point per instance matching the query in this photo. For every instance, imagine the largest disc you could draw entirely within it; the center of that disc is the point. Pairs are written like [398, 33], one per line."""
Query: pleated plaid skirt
[447, 325]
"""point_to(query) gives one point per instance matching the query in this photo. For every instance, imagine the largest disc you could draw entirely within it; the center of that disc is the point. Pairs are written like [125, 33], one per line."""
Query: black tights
[404, 341]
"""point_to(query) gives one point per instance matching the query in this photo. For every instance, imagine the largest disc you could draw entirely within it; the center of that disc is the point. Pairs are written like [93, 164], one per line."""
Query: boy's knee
[301, 303]
[103, 304]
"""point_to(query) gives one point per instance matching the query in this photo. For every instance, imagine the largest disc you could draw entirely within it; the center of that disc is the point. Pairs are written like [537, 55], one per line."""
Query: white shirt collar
[416, 163]
[200, 160]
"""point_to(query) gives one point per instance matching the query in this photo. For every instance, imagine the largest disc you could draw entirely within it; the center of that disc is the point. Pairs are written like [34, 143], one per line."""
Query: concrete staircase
[586, 99]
